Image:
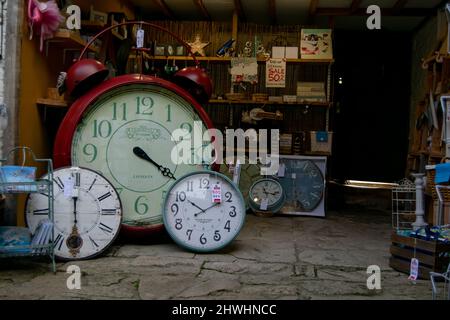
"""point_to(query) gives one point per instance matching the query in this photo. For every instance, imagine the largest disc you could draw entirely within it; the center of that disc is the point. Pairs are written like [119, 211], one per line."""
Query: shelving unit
[39, 186]
[68, 39]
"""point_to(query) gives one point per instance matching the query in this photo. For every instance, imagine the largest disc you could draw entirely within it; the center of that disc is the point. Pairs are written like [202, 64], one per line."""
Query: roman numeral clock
[87, 213]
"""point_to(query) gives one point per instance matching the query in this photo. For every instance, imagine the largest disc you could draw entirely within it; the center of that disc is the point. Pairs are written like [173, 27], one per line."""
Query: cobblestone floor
[273, 258]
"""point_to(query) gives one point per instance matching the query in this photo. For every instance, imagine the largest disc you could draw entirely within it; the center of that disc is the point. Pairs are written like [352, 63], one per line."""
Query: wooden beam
[399, 4]
[407, 12]
[165, 9]
[201, 7]
[273, 11]
[312, 10]
[355, 5]
[239, 10]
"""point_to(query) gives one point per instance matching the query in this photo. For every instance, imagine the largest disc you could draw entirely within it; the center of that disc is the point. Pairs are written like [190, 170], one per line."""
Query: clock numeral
[174, 209]
[59, 182]
[203, 239]
[190, 186]
[233, 212]
[58, 241]
[41, 212]
[105, 196]
[77, 179]
[204, 183]
[140, 206]
[217, 236]
[105, 228]
[94, 244]
[102, 129]
[92, 184]
[181, 196]
[109, 212]
[169, 113]
[229, 197]
[90, 150]
[124, 111]
[189, 233]
[146, 103]
[228, 226]
[314, 195]
[178, 224]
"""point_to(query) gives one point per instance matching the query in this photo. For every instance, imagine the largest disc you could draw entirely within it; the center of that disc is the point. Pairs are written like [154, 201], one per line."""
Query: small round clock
[248, 175]
[203, 211]
[123, 129]
[87, 213]
[266, 196]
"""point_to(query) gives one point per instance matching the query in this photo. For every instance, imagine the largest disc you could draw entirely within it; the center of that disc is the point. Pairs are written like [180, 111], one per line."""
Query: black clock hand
[164, 171]
[204, 211]
[75, 199]
[196, 206]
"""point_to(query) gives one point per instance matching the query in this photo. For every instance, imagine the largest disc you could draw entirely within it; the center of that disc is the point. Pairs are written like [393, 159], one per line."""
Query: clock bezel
[276, 207]
[192, 248]
[97, 254]
[63, 142]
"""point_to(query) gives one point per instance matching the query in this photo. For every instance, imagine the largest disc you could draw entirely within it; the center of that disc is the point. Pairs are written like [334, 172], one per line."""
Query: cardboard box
[278, 52]
[289, 99]
[291, 53]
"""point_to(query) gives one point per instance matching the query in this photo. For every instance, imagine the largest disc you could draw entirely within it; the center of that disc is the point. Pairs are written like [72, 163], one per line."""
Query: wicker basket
[321, 146]
[431, 186]
[260, 97]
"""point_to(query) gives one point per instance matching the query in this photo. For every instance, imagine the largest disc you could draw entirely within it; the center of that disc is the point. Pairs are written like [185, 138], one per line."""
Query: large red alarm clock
[122, 128]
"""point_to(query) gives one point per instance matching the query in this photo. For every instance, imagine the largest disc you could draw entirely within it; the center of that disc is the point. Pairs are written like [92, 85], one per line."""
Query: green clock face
[126, 135]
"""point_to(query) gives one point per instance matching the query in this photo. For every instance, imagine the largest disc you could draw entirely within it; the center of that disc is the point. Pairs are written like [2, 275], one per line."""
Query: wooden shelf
[92, 25]
[68, 38]
[224, 101]
[228, 59]
[52, 103]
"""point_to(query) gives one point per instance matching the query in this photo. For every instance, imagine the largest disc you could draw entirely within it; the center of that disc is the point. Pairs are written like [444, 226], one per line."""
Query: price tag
[282, 170]
[69, 190]
[414, 269]
[140, 38]
[217, 193]
[264, 204]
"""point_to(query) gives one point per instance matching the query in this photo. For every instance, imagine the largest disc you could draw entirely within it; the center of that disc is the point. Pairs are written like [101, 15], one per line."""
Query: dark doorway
[371, 112]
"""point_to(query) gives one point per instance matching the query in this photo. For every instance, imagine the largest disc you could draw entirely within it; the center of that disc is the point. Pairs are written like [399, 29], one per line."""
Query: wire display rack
[44, 186]
[404, 205]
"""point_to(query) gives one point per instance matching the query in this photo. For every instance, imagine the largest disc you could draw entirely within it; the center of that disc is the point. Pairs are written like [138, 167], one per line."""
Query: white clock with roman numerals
[204, 211]
[87, 213]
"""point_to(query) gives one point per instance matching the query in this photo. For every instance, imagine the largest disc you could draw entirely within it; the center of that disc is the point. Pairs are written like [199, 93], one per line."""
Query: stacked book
[311, 92]
[42, 235]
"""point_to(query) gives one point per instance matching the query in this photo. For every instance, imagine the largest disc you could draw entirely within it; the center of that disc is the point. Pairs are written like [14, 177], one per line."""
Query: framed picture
[160, 50]
[98, 16]
[303, 181]
[170, 50]
[180, 51]
[316, 44]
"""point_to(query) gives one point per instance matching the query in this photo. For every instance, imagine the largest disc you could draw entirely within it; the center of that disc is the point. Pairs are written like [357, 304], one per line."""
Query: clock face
[204, 211]
[249, 174]
[126, 135]
[304, 185]
[267, 190]
[87, 213]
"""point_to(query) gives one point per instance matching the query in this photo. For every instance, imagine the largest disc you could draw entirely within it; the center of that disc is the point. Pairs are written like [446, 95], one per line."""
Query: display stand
[44, 186]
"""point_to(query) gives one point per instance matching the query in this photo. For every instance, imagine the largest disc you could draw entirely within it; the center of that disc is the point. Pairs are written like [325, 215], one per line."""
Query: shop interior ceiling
[397, 15]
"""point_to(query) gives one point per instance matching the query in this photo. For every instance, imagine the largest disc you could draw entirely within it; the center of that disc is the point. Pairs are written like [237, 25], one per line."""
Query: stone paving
[273, 258]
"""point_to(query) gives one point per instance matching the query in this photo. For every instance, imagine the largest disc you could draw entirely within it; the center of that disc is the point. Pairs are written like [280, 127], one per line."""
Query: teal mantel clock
[123, 129]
